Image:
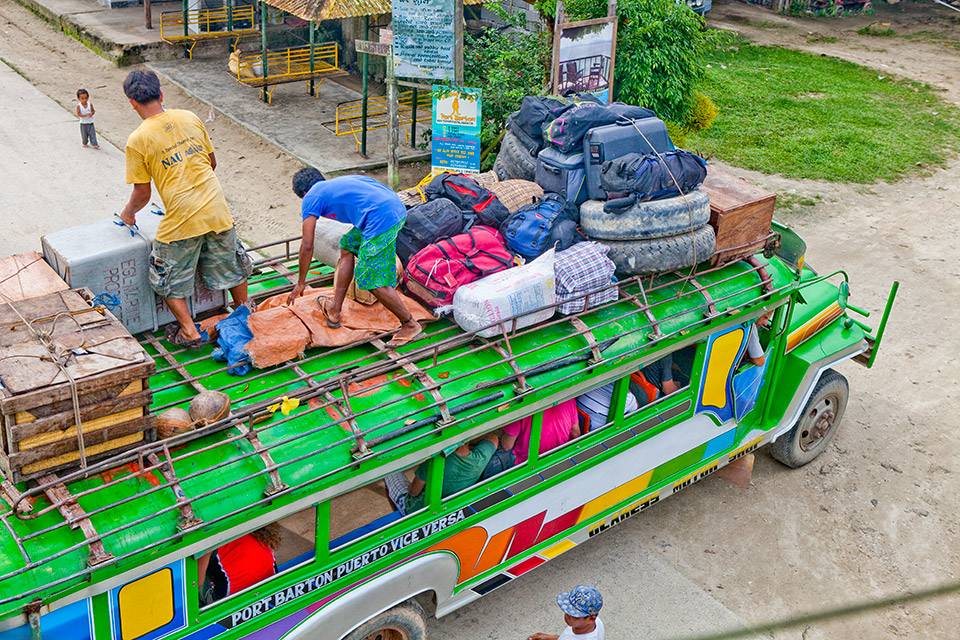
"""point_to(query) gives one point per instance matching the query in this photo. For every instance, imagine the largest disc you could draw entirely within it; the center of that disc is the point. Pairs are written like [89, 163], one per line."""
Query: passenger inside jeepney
[462, 468]
[558, 426]
[654, 381]
[593, 407]
[238, 564]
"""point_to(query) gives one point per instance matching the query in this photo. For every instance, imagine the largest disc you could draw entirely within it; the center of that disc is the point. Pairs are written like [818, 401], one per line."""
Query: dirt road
[876, 515]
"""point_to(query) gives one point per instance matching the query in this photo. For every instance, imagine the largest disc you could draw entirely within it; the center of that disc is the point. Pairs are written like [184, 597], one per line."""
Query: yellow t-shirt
[172, 148]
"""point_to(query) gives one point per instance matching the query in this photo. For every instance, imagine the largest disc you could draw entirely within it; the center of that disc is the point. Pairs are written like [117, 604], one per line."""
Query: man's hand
[296, 293]
[542, 636]
[129, 218]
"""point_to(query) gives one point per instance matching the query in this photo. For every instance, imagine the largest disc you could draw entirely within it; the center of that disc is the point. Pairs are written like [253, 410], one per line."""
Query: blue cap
[581, 601]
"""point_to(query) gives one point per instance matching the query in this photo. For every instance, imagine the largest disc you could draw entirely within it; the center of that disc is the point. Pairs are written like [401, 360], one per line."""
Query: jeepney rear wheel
[817, 424]
[403, 622]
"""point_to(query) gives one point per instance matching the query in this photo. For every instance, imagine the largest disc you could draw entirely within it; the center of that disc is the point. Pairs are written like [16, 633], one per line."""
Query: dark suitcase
[602, 144]
[562, 173]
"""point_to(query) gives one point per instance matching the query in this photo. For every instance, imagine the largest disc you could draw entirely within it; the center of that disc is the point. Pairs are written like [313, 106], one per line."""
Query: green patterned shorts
[376, 257]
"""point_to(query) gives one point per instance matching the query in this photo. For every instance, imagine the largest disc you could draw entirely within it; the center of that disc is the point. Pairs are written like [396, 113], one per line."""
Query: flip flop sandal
[173, 336]
[399, 342]
[323, 312]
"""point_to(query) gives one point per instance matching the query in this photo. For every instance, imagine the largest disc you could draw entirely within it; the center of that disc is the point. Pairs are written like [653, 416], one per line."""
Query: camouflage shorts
[218, 257]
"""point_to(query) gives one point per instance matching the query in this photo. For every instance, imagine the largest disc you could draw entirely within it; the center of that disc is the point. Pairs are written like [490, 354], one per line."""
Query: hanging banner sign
[456, 129]
[423, 42]
[373, 48]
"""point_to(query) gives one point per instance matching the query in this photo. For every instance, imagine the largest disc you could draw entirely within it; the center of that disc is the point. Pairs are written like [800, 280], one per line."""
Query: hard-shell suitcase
[602, 144]
[562, 173]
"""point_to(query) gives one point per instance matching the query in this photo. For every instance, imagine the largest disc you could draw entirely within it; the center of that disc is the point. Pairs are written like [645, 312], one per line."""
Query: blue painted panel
[720, 443]
[746, 388]
[179, 621]
[74, 621]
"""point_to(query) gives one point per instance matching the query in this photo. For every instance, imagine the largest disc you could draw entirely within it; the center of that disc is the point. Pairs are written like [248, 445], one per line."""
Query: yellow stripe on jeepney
[723, 355]
[616, 496]
[813, 325]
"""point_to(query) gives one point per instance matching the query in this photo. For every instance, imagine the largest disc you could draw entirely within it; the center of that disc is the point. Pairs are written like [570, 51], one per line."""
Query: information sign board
[373, 48]
[423, 39]
[456, 129]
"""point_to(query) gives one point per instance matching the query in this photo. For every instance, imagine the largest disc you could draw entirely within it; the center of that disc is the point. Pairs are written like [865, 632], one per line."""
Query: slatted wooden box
[740, 214]
[111, 371]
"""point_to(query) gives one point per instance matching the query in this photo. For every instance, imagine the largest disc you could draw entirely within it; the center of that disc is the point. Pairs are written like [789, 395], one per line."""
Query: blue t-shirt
[358, 200]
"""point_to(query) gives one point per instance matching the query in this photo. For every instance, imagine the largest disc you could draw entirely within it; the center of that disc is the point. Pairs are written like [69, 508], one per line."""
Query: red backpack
[435, 272]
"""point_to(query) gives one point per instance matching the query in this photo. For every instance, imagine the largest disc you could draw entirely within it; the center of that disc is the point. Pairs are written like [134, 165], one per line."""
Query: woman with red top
[238, 564]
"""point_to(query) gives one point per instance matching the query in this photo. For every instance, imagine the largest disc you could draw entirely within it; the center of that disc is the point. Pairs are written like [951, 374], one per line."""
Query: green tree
[661, 54]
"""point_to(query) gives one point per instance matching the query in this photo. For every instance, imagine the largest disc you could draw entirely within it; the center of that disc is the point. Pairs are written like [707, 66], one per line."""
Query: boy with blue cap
[580, 607]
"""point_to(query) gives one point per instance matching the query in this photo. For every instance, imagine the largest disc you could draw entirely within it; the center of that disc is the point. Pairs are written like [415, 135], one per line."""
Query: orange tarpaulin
[281, 332]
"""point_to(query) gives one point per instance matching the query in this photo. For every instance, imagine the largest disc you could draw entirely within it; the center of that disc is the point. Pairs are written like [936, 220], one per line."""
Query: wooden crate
[740, 214]
[26, 275]
[111, 371]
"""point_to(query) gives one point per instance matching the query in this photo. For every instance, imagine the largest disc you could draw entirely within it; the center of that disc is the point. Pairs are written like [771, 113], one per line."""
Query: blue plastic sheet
[234, 334]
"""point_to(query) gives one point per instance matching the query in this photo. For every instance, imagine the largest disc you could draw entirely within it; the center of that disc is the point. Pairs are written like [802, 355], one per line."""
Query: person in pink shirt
[558, 427]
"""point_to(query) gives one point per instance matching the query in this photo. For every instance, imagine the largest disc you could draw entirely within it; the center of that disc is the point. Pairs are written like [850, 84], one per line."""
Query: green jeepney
[112, 551]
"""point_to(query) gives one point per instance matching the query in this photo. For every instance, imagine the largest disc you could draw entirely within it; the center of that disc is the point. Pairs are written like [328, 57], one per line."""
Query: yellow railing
[289, 65]
[207, 23]
[349, 114]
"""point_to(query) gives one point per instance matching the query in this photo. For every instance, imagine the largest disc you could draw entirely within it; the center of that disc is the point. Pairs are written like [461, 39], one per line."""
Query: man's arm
[306, 257]
[139, 198]
[213, 160]
[416, 487]
[202, 563]
[542, 636]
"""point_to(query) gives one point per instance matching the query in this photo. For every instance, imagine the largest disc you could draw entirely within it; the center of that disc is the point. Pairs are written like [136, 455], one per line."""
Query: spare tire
[532, 146]
[651, 219]
[658, 255]
[516, 159]
[499, 171]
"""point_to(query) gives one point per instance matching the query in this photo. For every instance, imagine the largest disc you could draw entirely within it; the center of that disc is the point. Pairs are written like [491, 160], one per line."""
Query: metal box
[612, 141]
[105, 258]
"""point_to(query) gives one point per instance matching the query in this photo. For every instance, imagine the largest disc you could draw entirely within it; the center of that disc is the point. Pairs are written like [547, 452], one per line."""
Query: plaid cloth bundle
[583, 268]
[516, 193]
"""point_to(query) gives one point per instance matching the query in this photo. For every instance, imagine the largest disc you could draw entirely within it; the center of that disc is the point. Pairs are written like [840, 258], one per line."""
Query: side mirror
[843, 294]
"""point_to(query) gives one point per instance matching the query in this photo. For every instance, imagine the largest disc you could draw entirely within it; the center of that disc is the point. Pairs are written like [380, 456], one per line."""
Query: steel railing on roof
[319, 387]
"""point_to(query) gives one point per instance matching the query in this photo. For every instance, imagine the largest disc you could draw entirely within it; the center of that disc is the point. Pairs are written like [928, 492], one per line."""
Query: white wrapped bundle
[513, 292]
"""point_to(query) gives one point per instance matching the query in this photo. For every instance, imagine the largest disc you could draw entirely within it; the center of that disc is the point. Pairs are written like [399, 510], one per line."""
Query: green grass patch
[829, 39]
[791, 202]
[933, 38]
[816, 117]
[766, 24]
[878, 30]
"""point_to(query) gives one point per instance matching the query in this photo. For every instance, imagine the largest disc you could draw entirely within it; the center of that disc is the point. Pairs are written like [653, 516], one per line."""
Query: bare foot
[409, 331]
[84, 146]
[96, 146]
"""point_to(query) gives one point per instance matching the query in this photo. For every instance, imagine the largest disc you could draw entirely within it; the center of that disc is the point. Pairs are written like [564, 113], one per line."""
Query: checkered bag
[583, 268]
[516, 193]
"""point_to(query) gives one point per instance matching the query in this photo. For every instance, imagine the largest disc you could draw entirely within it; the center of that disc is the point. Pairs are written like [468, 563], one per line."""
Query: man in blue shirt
[377, 214]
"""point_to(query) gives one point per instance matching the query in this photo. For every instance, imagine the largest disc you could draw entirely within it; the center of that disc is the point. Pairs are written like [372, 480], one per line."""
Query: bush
[506, 67]
[677, 133]
[661, 53]
[703, 114]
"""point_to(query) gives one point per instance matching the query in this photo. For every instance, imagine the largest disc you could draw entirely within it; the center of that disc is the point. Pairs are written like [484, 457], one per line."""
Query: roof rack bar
[75, 516]
[12, 497]
[187, 518]
[422, 376]
[23, 552]
[362, 447]
[585, 331]
[305, 483]
[520, 381]
[711, 309]
[276, 483]
[374, 408]
[166, 355]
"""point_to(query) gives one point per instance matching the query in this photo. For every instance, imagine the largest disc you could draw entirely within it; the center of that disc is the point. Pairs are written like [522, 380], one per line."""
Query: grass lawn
[808, 116]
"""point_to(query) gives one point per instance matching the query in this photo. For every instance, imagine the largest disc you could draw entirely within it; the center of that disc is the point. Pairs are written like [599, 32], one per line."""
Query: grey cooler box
[104, 257]
[617, 140]
[563, 173]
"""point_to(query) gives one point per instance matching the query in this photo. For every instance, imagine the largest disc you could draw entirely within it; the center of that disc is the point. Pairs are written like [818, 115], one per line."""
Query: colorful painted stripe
[813, 325]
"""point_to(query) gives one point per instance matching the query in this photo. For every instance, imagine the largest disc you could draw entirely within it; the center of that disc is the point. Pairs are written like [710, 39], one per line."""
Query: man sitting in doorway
[377, 214]
[462, 468]
[172, 148]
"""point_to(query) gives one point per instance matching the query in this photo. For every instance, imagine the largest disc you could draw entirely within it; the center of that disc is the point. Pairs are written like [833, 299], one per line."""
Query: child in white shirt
[580, 609]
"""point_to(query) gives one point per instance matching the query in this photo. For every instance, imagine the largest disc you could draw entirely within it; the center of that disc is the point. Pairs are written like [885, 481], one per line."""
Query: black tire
[403, 622]
[499, 171]
[652, 219]
[517, 161]
[528, 143]
[818, 423]
[658, 255]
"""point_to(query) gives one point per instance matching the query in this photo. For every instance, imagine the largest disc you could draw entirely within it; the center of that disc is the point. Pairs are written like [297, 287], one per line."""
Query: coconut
[173, 422]
[209, 406]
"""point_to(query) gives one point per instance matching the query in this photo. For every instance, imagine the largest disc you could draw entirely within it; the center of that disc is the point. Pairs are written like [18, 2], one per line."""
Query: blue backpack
[550, 221]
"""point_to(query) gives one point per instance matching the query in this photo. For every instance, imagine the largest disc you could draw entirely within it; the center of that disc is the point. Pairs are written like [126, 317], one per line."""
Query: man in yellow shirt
[172, 149]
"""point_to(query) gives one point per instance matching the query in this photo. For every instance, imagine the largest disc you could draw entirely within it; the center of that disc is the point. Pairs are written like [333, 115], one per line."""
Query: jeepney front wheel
[403, 622]
[817, 424]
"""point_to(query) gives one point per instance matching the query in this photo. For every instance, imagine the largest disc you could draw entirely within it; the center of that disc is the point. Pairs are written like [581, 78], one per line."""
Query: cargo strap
[520, 385]
[765, 279]
[65, 502]
[276, 483]
[587, 333]
[711, 308]
[187, 518]
[347, 413]
[432, 387]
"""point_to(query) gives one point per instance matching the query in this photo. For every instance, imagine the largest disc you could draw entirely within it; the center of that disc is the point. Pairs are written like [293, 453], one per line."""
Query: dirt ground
[877, 514]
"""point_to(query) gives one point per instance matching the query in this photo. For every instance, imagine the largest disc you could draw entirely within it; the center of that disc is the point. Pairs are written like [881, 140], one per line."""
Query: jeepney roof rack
[445, 345]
